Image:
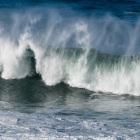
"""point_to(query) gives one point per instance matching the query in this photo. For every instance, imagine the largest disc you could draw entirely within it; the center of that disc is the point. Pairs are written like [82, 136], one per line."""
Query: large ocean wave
[98, 54]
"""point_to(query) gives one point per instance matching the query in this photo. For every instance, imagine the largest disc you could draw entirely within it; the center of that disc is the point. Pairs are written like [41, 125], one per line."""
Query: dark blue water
[122, 9]
[70, 69]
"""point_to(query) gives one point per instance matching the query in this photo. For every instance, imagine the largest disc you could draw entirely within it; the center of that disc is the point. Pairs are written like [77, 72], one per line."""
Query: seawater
[69, 70]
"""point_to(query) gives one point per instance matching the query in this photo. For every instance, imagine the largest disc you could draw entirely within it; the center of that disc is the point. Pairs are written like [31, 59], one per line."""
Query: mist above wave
[46, 31]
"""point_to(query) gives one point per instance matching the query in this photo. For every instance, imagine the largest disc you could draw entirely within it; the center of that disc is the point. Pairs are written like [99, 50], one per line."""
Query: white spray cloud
[55, 41]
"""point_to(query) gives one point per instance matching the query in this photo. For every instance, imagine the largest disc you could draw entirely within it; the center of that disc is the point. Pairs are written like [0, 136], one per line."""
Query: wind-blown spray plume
[99, 54]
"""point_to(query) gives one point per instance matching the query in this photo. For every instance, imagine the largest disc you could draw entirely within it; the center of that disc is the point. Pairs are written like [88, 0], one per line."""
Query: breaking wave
[98, 54]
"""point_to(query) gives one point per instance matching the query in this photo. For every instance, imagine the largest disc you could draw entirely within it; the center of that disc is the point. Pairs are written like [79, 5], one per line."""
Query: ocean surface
[70, 70]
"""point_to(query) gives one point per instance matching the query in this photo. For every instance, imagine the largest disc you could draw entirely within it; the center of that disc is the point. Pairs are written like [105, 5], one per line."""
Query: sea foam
[62, 48]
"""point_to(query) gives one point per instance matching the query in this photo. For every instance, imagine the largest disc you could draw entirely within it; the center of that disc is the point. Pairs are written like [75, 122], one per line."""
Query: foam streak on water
[38, 126]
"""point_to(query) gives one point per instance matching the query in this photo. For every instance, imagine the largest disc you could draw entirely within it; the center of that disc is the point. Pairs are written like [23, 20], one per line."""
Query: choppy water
[69, 69]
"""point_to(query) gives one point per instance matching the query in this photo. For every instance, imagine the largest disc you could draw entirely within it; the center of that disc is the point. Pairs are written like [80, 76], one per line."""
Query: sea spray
[99, 54]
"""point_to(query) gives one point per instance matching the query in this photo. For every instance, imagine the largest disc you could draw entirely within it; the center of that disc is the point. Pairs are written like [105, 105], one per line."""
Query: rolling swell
[98, 54]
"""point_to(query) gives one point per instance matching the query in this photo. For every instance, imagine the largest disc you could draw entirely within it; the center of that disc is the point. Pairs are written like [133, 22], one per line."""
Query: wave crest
[82, 53]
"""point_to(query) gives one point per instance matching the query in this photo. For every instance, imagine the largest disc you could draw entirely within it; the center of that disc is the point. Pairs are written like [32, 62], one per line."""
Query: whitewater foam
[63, 50]
[16, 125]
